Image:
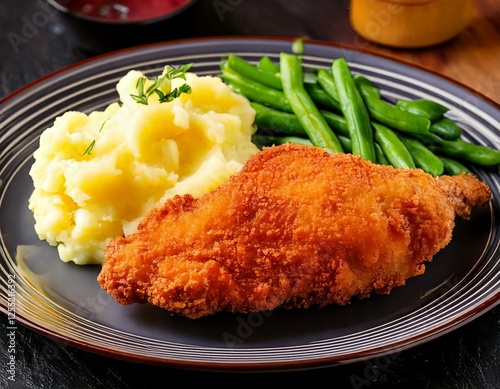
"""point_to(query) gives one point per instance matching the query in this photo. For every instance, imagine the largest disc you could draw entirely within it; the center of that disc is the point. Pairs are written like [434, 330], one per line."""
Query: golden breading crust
[296, 227]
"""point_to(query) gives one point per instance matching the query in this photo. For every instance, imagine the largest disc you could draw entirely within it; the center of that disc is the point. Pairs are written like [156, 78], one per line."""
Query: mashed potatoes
[97, 175]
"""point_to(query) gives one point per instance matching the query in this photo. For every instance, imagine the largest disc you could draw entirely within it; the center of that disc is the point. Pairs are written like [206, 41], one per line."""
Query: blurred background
[36, 38]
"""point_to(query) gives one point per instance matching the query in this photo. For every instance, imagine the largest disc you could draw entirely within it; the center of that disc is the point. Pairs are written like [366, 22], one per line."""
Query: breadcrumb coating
[296, 227]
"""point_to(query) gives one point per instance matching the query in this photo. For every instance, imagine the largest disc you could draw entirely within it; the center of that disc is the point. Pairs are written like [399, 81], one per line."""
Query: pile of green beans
[344, 112]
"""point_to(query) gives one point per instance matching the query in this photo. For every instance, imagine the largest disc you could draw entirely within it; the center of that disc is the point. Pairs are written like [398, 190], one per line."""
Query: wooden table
[468, 357]
[472, 58]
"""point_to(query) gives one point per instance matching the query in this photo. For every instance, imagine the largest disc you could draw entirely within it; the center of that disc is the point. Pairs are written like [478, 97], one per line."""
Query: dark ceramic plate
[64, 301]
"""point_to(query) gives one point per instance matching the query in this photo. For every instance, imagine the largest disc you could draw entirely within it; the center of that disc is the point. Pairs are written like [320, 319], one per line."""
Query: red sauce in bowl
[132, 11]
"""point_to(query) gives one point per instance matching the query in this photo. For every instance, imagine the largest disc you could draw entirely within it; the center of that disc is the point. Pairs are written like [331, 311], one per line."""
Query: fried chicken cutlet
[296, 227]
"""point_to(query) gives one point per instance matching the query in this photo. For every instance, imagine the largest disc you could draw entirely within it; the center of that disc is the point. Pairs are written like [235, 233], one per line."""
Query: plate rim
[364, 50]
[299, 364]
[260, 366]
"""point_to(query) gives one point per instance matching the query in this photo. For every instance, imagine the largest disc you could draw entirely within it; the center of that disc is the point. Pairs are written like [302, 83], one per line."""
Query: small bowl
[410, 23]
[122, 12]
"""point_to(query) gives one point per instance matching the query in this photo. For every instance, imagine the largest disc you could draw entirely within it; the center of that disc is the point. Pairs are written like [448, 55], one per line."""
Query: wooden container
[410, 23]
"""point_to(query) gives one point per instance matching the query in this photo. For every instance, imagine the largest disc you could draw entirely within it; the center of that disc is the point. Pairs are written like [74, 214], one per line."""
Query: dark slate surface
[35, 40]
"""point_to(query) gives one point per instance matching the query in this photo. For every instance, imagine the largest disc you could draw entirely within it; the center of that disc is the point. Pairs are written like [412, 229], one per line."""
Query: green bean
[452, 167]
[391, 115]
[381, 158]
[394, 149]
[298, 47]
[267, 140]
[459, 149]
[279, 121]
[427, 108]
[262, 94]
[354, 110]
[287, 123]
[424, 158]
[337, 122]
[428, 139]
[446, 129]
[255, 91]
[366, 84]
[321, 98]
[346, 143]
[309, 78]
[266, 64]
[326, 81]
[303, 106]
[252, 72]
[297, 140]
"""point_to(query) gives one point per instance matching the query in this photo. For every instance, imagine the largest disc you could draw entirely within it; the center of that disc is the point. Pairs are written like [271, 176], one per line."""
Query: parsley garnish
[164, 81]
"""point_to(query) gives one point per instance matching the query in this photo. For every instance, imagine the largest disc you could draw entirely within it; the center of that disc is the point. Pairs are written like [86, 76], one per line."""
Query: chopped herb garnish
[184, 88]
[169, 74]
[89, 149]
[140, 97]
[156, 87]
[180, 72]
